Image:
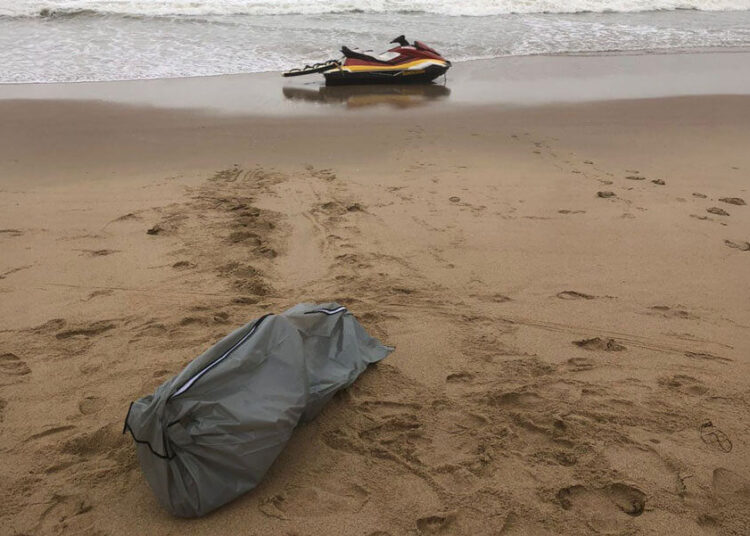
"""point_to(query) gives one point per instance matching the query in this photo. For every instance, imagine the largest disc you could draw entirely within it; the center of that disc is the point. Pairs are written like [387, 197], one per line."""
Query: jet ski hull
[344, 77]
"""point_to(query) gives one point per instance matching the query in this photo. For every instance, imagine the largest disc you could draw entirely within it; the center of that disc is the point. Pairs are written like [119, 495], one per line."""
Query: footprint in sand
[152, 328]
[219, 318]
[106, 442]
[161, 374]
[90, 330]
[245, 237]
[635, 178]
[516, 524]
[97, 293]
[436, 524]
[731, 500]
[493, 298]
[605, 194]
[245, 300]
[313, 501]
[91, 404]
[336, 208]
[640, 463]
[580, 364]
[684, 384]
[127, 217]
[606, 501]
[699, 195]
[51, 325]
[733, 201]
[98, 252]
[729, 485]
[742, 246]
[667, 312]
[718, 211]
[574, 295]
[10, 232]
[514, 399]
[715, 438]
[459, 377]
[327, 175]
[13, 365]
[606, 345]
[60, 511]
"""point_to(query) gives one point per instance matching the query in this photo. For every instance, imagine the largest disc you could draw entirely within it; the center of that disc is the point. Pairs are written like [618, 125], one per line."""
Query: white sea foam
[147, 8]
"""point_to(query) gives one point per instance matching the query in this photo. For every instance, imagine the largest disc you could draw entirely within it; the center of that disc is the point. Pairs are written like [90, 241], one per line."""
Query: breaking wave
[470, 8]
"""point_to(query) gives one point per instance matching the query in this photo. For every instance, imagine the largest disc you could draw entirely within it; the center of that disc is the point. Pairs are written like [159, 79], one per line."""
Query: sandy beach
[566, 285]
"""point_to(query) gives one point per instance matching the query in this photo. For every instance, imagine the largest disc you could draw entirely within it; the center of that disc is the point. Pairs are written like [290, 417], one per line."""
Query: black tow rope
[314, 68]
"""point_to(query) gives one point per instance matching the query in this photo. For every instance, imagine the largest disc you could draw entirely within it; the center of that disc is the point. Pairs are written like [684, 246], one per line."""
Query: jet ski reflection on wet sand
[406, 63]
[361, 96]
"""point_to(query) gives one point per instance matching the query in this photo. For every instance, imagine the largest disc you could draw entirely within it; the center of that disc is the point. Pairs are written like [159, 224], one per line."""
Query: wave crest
[149, 8]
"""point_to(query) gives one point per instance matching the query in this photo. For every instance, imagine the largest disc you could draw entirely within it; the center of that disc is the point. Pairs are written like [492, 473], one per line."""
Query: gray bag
[210, 433]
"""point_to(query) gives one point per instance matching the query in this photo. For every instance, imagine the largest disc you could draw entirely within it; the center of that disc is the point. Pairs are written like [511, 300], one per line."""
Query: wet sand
[566, 286]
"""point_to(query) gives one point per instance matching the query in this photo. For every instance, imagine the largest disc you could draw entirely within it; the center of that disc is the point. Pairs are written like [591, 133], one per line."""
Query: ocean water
[86, 40]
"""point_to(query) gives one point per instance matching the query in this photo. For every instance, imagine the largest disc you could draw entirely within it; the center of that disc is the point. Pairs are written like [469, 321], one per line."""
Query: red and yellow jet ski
[404, 64]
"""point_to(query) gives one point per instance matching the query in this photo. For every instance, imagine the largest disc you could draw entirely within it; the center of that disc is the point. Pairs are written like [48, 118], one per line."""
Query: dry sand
[569, 361]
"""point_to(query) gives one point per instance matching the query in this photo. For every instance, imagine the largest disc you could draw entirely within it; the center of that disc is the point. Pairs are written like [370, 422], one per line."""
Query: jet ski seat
[349, 53]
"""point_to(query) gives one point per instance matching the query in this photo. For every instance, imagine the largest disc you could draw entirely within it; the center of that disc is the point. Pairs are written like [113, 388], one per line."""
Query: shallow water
[88, 40]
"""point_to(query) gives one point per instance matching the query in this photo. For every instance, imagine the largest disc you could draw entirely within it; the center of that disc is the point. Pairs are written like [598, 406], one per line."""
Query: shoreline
[604, 53]
[510, 81]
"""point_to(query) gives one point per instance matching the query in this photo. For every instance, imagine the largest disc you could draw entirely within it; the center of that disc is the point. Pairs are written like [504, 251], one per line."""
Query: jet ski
[406, 63]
